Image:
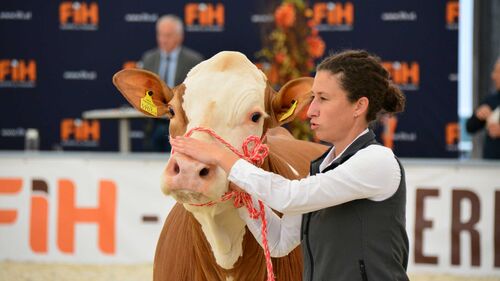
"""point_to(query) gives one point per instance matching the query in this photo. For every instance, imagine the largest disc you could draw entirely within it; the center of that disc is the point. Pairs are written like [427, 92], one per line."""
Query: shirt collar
[330, 156]
[172, 55]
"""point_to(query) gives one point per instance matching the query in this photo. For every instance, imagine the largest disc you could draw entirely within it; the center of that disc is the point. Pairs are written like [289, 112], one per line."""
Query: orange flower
[279, 58]
[314, 31]
[316, 46]
[284, 16]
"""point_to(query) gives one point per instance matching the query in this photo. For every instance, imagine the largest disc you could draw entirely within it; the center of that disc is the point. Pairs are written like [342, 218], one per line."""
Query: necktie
[165, 71]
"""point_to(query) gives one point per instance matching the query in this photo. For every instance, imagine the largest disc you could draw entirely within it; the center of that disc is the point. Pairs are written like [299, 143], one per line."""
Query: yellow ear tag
[148, 105]
[290, 111]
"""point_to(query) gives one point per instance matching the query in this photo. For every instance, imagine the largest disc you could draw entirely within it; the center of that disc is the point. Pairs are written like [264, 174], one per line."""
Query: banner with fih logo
[57, 60]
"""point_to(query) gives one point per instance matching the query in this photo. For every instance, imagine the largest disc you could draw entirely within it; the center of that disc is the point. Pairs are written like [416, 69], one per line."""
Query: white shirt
[372, 173]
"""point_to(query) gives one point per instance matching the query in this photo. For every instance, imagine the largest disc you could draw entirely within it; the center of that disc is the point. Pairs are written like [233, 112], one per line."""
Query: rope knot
[258, 152]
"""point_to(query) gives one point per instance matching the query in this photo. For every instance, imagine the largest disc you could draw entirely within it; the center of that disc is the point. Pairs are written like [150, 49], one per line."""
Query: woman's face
[331, 113]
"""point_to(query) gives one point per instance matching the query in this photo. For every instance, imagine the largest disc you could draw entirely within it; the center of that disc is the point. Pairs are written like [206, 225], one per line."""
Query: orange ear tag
[148, 105]
[290, 111]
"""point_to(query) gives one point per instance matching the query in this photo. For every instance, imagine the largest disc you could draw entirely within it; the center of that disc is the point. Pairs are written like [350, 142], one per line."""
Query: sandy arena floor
[14, 271]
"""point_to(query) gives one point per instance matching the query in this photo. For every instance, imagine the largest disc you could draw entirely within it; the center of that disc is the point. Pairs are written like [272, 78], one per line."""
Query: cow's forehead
[219, 89]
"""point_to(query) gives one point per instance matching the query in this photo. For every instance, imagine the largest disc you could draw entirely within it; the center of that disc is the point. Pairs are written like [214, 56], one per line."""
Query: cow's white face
[225, 93]
[229, 95]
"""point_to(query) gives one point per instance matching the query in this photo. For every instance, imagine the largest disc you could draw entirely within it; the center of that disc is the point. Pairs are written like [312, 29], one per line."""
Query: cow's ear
[291, 99]
[144, 90]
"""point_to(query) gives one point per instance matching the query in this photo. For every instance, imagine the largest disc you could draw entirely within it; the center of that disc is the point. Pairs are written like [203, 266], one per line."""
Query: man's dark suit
[156, 131]
[187, 60]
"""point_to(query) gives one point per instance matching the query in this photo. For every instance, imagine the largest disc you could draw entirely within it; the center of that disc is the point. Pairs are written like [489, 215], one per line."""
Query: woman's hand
[211, 153]
[483, 112]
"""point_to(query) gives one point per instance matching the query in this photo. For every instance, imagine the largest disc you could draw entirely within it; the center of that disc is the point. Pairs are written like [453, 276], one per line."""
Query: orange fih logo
[452, 136]
[405, 74]
[68, 214]
[78, 15]
[390, 124]
[17, 73]
[389, 134]
[204, 17]
[329, 16]
[77, 132]
[452, 13]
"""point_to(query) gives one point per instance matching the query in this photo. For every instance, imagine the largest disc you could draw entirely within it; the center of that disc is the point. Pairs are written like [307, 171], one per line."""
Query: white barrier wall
[107, 208]
[53, 208]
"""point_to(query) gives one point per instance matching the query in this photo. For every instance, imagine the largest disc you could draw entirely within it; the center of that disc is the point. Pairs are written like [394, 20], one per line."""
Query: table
[122, 114]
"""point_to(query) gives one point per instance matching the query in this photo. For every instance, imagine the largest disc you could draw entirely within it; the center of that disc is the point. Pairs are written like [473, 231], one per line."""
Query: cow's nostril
[176, 168]
[204, 172]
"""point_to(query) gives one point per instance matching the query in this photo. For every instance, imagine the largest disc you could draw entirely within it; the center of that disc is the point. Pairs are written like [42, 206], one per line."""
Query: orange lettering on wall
[81, 131]
[65, 12]
[87, 14]
[26, 71]
[67, 128]
[190, 13]
[452, 12]
[343, 14]
[403, 72]
[81, 13]
[410, 72]
[103, 216]
[9, 186]
[319, 12]
[39, 217]
[87, 130]
[390, 124]
[19, 71]
[4, 69]
[205, 15]
[452, 133]
[217, 14]
[335, 14]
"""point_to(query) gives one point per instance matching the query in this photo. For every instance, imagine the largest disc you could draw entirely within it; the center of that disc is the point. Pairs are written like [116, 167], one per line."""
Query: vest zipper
[309, 248]
[362, 270]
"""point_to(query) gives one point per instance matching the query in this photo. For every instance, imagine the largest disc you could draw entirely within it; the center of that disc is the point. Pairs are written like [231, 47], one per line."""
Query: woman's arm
[283, 234]
[371, 173]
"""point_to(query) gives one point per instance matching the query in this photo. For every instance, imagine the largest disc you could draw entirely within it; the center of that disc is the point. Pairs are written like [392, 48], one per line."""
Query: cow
[231, 96]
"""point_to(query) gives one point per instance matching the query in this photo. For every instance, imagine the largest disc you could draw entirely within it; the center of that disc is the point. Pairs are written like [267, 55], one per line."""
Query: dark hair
[362, 75]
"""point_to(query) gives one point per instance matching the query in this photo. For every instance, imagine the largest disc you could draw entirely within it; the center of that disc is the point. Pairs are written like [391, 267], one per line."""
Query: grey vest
[358, 240]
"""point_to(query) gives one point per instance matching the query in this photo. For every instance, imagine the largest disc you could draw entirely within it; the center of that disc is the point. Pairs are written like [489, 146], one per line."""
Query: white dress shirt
[372, 173]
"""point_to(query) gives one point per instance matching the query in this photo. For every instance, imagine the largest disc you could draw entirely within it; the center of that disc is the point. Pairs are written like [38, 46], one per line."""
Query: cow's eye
[256, 116]
[171, 111]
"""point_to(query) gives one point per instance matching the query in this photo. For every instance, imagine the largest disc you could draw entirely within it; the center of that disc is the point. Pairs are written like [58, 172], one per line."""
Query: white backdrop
[34, 219]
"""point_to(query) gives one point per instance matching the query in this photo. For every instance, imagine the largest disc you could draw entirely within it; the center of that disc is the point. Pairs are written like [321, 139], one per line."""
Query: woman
[349, 214]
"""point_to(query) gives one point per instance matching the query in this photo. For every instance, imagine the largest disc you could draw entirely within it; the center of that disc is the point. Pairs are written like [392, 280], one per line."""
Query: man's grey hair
[171, 18]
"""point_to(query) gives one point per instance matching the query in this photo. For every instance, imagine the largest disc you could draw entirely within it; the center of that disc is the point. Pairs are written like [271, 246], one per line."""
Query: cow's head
[226, 93]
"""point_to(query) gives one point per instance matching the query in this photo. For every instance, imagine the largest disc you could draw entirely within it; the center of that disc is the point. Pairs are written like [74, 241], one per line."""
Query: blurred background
[68, 137]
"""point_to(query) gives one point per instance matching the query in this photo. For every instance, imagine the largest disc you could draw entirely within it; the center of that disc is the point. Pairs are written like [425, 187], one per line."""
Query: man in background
[487, 115]
[171, 61]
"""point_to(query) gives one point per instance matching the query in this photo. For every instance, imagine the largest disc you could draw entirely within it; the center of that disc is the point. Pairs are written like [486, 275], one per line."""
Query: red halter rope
[256, 156]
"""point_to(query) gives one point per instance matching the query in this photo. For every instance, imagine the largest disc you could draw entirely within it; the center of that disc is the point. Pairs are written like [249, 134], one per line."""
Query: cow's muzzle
[188, 180]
